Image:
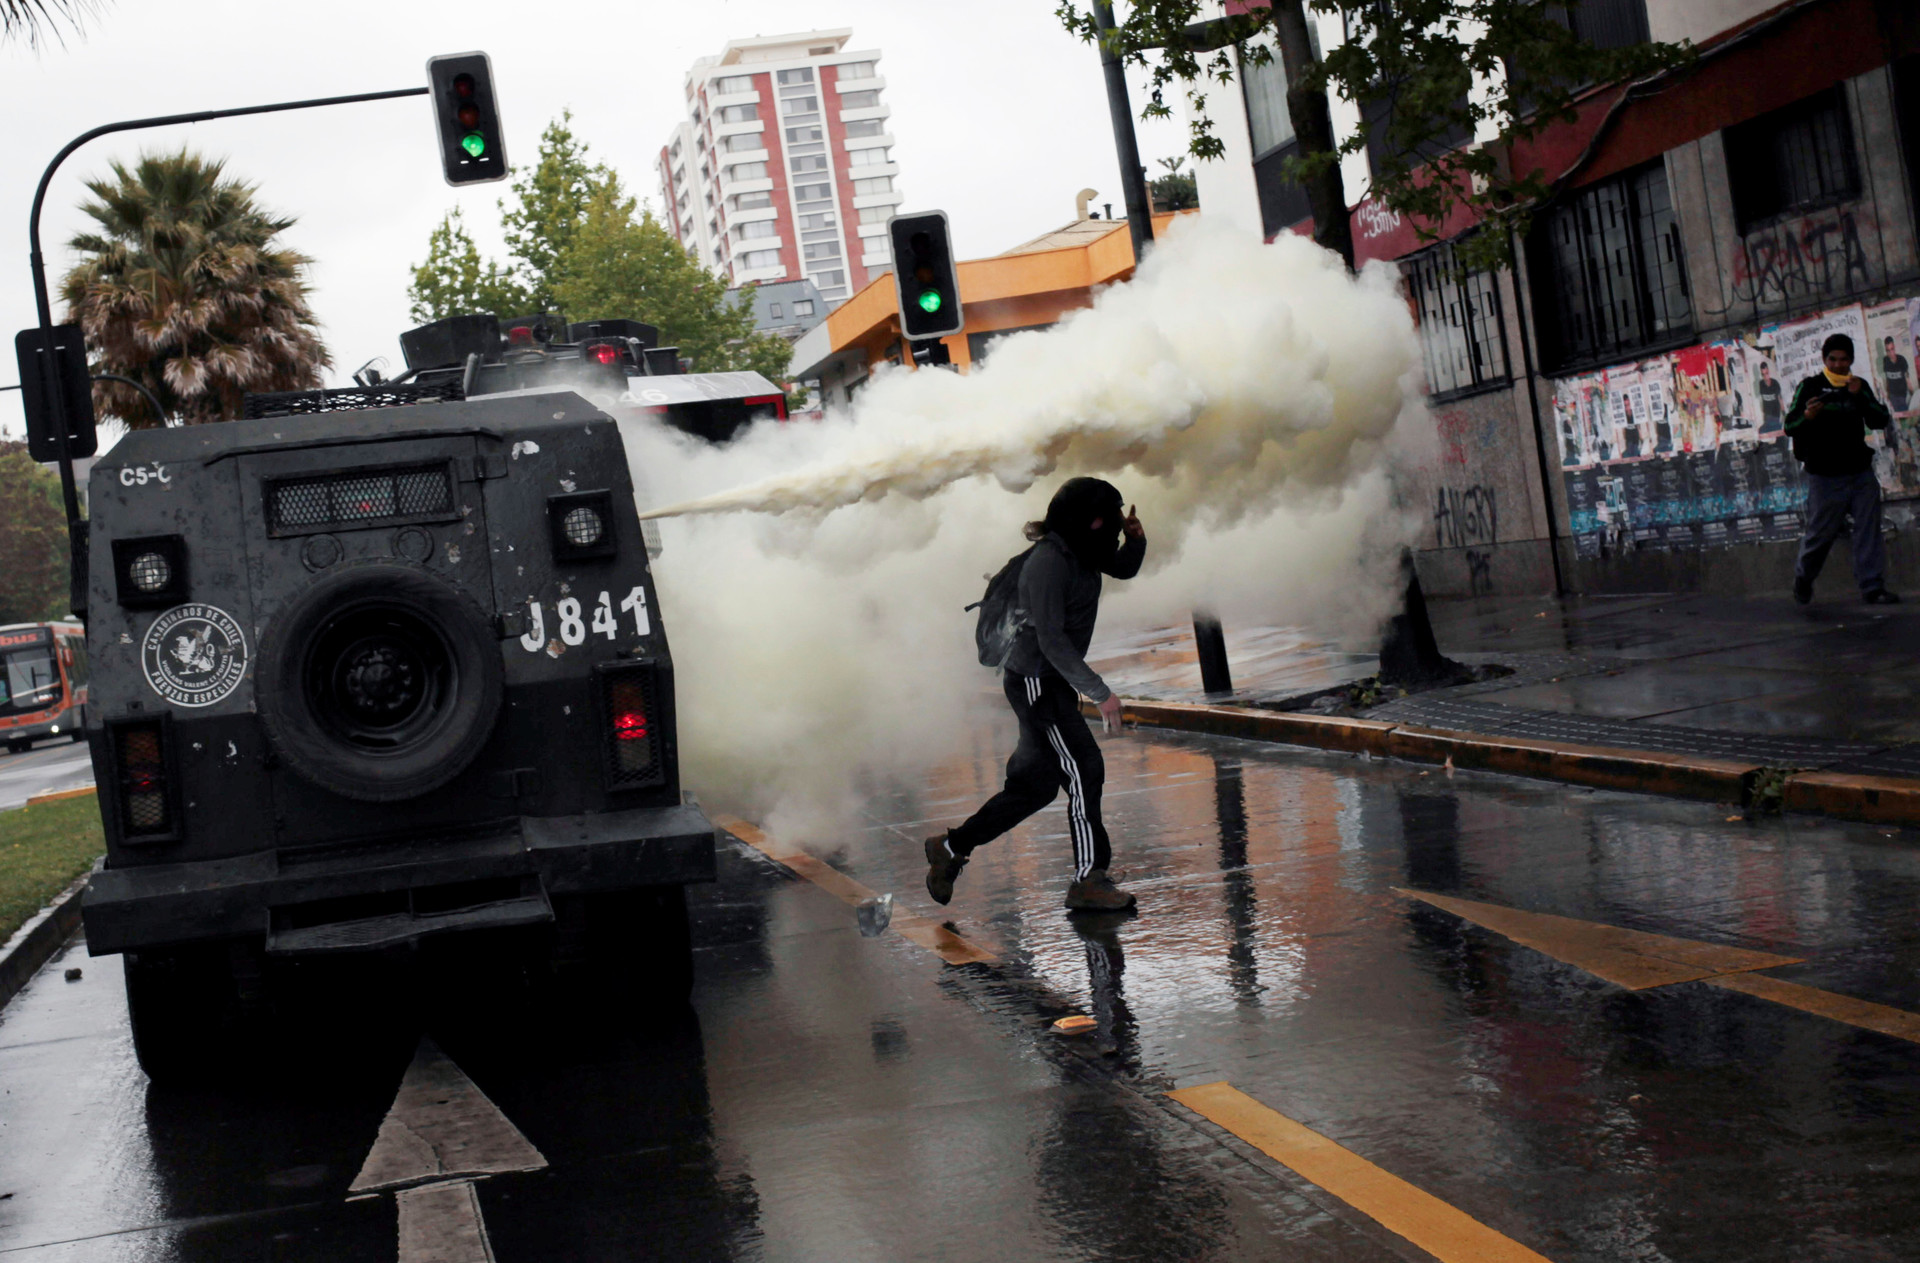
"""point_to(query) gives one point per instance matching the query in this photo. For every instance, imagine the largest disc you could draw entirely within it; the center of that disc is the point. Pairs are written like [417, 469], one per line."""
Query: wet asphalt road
[48, 768]
[838, 1098]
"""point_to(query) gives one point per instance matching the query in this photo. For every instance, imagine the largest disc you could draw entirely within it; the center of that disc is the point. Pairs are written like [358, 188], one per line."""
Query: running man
[1046, 675]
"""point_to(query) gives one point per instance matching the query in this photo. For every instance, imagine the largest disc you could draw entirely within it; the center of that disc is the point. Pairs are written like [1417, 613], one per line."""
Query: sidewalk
[1728, 696]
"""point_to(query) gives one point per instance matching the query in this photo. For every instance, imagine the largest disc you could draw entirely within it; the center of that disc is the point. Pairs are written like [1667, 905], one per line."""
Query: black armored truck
[367, 676]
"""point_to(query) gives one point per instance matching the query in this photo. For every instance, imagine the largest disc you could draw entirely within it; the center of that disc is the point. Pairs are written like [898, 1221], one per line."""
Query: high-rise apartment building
[784, 166]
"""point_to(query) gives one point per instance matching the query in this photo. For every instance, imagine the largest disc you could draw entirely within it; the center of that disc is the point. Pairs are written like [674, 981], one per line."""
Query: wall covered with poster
[1686, 450]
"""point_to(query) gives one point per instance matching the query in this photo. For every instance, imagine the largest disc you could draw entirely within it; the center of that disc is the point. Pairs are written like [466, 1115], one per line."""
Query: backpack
[1001, 620]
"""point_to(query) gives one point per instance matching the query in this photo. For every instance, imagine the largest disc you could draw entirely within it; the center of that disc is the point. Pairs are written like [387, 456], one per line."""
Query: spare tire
[379, 682]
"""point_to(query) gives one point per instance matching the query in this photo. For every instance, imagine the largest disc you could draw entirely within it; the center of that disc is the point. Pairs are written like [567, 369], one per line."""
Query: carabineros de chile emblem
[194, 655]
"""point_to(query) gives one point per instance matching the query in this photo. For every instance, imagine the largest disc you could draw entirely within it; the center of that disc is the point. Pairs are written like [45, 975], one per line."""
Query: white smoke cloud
[1247, 396]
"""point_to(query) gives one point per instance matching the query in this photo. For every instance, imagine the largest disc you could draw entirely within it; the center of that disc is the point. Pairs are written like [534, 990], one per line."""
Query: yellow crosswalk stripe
[1448, 1234]
[923, 931]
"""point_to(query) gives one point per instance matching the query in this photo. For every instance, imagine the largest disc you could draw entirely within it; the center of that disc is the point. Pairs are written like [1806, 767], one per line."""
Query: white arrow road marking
[440, 1223]
[441, 1132]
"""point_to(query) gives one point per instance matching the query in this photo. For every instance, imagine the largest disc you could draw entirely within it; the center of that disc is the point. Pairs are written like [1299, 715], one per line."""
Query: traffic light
[472, 147]
[924, 275]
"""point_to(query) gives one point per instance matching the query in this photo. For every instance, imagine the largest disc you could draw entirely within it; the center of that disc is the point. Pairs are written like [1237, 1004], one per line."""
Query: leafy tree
[456, 280]
[33, 540]
[1176, 190]
[583, 249]
[1412, 67]
[551, 206]
[624, 262]
[183, 289]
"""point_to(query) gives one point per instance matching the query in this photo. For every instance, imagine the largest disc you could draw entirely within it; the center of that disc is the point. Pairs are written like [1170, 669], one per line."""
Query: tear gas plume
[1228, 372]
[1248, 397]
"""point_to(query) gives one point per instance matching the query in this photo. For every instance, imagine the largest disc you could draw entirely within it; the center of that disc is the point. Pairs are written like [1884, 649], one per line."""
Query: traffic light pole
[1208, 638]
[69, 492]
[1133, 176]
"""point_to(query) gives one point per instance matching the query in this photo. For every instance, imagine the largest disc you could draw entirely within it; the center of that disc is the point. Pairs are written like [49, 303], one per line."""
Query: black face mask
[1095, 549]
[1072, 511]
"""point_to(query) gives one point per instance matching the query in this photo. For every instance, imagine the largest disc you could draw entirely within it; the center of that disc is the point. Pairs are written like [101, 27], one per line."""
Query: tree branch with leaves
[1447, 91]
[583, 249]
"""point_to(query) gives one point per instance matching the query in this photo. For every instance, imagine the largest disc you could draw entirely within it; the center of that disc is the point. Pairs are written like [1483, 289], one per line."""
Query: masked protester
[1828, 423]
[1086, 534]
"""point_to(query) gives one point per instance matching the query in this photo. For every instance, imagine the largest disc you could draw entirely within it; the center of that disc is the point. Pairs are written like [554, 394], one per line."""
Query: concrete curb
[1353, 736]
[1879, 799]
[1600, 767]
[34, 943]
[61, 796]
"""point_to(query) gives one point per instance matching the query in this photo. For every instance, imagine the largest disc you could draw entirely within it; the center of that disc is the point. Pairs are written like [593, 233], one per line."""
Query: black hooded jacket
[1060, 595]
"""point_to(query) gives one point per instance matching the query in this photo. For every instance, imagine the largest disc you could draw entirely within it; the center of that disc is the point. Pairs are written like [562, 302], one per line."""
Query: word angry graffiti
[1465, 515]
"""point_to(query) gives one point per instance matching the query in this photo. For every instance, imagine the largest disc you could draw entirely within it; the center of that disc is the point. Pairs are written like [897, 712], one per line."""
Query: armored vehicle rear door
[395, 528]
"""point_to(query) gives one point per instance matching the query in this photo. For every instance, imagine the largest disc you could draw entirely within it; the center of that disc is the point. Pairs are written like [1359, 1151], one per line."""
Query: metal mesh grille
[357, 499]
[151, 572]
[633, 728]
[143, 782]
[424, 491]
[289, 403]
[582, 527]
[346, 498]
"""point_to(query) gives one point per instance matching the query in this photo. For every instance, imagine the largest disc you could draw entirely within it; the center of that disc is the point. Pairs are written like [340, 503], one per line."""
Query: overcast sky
[999, 115]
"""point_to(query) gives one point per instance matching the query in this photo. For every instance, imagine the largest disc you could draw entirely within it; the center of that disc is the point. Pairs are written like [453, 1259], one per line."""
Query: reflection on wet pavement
[834, 1096]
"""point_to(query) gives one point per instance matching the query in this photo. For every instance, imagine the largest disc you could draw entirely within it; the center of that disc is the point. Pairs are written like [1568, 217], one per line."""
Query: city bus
[43, 683]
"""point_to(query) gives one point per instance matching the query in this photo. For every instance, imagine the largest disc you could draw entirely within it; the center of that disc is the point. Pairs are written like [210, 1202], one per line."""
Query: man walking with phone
[1828, 423]
[1085, 535]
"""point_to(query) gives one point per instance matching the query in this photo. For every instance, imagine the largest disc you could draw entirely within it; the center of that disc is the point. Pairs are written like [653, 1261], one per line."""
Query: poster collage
[1686, 450]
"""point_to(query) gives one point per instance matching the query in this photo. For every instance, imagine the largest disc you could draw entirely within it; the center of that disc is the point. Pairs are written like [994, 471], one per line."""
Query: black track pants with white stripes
[1056, 751]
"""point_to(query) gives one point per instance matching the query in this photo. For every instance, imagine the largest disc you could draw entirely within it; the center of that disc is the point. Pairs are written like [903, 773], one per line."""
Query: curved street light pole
[76, 535]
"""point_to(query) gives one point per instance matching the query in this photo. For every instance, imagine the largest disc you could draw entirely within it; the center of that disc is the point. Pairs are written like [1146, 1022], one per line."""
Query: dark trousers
[1056, 751]
[1829, 501]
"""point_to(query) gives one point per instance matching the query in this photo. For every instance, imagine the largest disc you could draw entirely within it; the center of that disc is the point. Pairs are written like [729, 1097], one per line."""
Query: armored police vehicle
[365, 676]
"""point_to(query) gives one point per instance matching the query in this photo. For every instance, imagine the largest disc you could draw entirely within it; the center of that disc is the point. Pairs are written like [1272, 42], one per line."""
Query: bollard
[1211, 642]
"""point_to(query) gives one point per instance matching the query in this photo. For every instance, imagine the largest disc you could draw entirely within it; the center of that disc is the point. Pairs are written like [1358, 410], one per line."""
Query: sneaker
[1802, 590]
[1880, 596]
[1096, 893]
[943, 868]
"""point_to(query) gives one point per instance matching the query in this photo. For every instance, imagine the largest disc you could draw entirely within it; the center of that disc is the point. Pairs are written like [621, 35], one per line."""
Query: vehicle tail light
[140, 761]
[779, 403]
[630, 697]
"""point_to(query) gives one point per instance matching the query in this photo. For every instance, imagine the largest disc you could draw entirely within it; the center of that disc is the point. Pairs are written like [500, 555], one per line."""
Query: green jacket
[1834, 444]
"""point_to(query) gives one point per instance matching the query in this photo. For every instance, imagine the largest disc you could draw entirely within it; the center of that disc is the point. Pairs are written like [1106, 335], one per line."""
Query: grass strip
[42, 849]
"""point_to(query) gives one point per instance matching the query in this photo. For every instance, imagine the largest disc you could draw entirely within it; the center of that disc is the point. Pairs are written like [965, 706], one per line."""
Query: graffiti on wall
[1479, 572]
[1688, 450]
[1821, 255]
[1465, 515]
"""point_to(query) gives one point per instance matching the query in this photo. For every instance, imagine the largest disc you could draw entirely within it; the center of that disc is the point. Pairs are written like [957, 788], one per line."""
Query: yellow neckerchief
[1836, 381]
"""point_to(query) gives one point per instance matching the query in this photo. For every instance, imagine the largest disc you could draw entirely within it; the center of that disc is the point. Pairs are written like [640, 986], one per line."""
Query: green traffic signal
[929, 300]
[475, 144]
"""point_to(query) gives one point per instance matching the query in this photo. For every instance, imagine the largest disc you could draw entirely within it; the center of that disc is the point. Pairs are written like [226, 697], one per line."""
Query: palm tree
[29, 20]
[183, 290]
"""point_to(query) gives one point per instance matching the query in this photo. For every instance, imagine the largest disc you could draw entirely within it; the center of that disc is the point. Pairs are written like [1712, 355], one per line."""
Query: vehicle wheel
[635, 943]
[77, 735]
[379, 682]
[19, 747]
[183, 1005]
